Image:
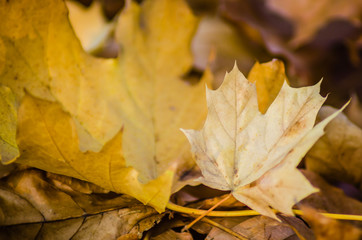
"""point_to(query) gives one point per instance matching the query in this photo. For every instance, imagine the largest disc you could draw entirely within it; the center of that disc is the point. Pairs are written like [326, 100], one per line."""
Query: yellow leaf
[142, 91]
[90, 24]
[255, 155]
[48, 140]
[8, 147]
[268, 78]
[23, 38]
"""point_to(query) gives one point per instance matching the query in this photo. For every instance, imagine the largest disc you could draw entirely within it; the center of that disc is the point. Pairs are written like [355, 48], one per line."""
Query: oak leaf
[255, 155]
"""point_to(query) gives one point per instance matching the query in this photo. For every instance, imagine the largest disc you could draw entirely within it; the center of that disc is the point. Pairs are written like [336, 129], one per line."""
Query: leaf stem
[188, 226]
[193, 211]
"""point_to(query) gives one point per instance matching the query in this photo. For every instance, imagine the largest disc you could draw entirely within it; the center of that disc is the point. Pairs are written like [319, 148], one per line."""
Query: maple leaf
[268, 78]
[143, 90]
[48, 140]
[255, 155]
[8, 147]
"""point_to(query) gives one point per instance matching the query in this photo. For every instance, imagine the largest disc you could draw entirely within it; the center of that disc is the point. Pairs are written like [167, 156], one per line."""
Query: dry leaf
[254, 155]
[6, 169]
[23, 62]
[8, 147]
[329, 198]
[141, 91]
[268, 78]
[337, 155]
[48, 140]
[89, 24]
[216, 36]
[309, 17]
[261, 228]
[126, 223]
[64, 183]
[33, 207]
[332, 53]
[28, 196]
[172, 235]
[354, 110]
[326, 228]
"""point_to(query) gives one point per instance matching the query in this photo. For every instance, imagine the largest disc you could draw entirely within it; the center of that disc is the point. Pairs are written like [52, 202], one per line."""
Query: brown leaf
[308, 17]
[6, 169]
[219, 38]
[325, 228]
[261, 228]
[36, 209]
[172, 235]
[65, 183]
[28, 196]
[127, 223]
[329, 198]
[337, 155]
[329, 54]
[354, 110]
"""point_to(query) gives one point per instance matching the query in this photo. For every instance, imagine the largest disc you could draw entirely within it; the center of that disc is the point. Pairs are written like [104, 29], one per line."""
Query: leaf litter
[71, 141]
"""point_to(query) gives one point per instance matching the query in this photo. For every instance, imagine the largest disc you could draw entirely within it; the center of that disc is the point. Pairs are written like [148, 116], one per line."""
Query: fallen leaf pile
[91, 146]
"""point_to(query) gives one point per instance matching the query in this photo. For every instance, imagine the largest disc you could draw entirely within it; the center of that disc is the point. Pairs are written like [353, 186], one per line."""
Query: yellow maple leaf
[48, 140]
[255, 155]
[8, 147]
[268, 78]
[142, 91]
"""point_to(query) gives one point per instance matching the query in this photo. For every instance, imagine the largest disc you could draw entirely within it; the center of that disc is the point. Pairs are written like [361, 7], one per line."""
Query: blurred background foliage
[315, 40]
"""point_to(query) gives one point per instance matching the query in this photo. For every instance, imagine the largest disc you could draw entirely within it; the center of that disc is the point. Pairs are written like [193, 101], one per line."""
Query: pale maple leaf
[255, 155]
